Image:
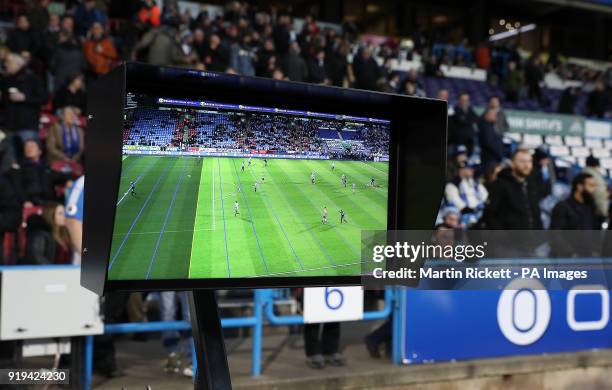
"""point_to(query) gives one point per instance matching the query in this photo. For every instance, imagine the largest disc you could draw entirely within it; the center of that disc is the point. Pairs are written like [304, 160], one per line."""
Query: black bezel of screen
[417, 143]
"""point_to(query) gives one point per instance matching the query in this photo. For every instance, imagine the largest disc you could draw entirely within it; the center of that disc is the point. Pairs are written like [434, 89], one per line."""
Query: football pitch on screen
[180, 221]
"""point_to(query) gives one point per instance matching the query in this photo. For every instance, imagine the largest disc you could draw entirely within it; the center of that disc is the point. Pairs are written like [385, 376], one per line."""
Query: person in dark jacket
[73, 94]
[463, 122]
[67, 59]
[34, 180]
[10, 208]
[543, 175]
[294, 64]
[317, 69]
[22, 39]
[47, 239]
[598, 101]
[86, 14]
[533, 77]
[491, 146]
[282, 35]
[338, 64]
[366, 70]
[23, 94]
[265, 52]
[38, 16]
[513, 202]
[576, 213]
[567, 102]
[214, 56]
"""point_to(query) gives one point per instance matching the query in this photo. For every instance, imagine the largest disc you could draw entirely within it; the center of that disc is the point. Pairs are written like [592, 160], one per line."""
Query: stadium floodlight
[203, 180]
[512, 31]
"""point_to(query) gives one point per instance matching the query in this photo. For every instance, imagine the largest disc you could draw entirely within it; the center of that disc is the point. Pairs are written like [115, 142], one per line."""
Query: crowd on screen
[255, 133]
[48, 60]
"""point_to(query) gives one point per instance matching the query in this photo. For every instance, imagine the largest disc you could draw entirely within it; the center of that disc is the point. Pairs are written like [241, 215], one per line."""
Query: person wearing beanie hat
[601, 192]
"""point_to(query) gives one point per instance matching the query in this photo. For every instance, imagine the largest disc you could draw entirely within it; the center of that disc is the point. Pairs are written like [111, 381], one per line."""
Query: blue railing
[263, 306]
[263, 310]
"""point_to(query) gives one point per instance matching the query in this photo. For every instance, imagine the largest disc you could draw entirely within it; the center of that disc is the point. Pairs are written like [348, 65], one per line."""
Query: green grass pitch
[180, 223]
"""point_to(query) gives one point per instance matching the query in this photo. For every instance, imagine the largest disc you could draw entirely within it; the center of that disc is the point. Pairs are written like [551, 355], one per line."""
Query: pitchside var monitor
[196, 179]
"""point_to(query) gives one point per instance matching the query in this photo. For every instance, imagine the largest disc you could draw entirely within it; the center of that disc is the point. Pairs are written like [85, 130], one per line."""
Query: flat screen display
[213, 190]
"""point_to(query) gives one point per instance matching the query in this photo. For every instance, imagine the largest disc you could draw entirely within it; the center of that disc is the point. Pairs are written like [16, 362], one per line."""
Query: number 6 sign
[332, 304]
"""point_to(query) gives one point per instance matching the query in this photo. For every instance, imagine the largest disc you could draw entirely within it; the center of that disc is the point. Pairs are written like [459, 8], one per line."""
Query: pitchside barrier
[263, 313]
[435, 325]
[518, 318]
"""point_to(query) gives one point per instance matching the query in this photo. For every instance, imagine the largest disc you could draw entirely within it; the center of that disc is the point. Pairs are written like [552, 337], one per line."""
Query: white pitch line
[167, 231]
[379, 170]
[128, 191]
[309, 269]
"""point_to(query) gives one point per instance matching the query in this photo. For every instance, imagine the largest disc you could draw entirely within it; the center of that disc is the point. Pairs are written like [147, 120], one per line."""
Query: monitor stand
[212, 370]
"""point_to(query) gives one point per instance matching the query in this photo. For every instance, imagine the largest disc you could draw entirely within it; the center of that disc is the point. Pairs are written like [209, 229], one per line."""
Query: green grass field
[181, 223]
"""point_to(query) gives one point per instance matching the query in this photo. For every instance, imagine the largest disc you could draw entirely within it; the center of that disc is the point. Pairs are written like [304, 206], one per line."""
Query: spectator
[87, 13]
[378, 337]
[22, 93]
[322, 345]
[277, 74]
[241, 57]
[50, 38]
[451, 218]
[215, 57]
[99, 51]
[443, 95]
[600, 195]
[543, 174]
[533, 77]
[38, 16]
[410, 89]
[463, 123]
[199, 42]
[65, 141]
[73, 94]
[317, 69]
[393, 84]
[178, 344]
[10, 210]
[34, 180]
[597, 101]
[465, 193]
[514, 201]
[47, 239]
[22, 39]
[294, 65]
[7, 154]
[501, 121]
[282, 37]
[74, 216]
[263, 57]
[578, 213]
[491, 146]
[513, 83]
[149, 14]
[67, 59]
[567, 102]
[366, 69]
[338, 64]
[458, 158]
[162, 46]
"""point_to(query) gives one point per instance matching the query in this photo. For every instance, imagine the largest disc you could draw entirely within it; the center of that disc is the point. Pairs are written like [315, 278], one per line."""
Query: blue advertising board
[522, 319]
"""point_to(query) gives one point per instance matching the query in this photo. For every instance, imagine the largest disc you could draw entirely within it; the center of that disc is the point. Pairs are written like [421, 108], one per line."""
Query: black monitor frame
[416, 167]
